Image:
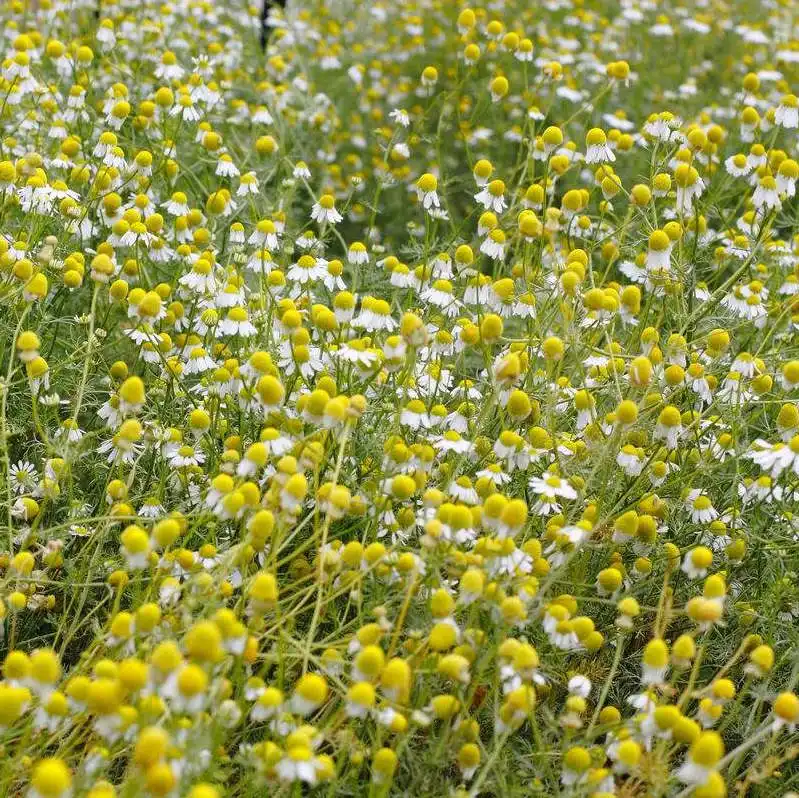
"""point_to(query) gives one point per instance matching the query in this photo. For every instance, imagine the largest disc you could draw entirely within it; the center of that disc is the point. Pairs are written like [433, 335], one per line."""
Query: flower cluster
[409, 408]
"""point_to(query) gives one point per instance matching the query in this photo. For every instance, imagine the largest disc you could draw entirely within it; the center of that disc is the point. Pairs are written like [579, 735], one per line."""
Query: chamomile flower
[597, 149]
[324, 210]
[492, 196]
[426, 187]
[787, 112]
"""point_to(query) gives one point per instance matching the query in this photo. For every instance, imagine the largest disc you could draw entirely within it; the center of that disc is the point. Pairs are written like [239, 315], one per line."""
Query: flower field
[410, 409]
